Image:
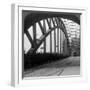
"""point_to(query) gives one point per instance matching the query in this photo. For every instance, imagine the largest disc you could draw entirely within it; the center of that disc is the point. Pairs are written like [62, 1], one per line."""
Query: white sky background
[73, 29]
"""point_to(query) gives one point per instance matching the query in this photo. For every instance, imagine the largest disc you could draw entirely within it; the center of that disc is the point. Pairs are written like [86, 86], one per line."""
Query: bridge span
[51, 43]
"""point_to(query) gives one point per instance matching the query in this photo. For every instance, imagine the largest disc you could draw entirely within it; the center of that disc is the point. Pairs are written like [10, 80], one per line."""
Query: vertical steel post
[50, 40]
[34, 34]
[54, 41]
[44, 25]
[58, 40]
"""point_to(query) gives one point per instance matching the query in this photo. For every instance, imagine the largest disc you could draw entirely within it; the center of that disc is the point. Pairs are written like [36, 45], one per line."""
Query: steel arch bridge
[54, 22]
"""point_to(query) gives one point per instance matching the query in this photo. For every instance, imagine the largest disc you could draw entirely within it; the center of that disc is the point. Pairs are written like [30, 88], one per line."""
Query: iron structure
[55, 23]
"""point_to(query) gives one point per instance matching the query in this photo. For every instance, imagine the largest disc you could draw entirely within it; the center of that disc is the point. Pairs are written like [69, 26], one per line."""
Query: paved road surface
[68, 66]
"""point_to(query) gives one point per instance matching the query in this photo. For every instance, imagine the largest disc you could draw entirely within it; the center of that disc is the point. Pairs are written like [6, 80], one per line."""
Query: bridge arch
[50, 25]
[57, 24]
[33, 16]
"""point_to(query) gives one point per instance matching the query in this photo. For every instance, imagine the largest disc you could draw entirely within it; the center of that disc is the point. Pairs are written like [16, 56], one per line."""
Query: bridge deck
[68, 66]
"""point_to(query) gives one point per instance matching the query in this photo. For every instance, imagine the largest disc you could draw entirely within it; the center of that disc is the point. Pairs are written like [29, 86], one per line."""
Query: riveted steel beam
[29, 38]
[42, 27]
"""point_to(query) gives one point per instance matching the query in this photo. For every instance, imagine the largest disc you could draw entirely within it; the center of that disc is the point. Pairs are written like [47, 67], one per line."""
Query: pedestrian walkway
[68, 66]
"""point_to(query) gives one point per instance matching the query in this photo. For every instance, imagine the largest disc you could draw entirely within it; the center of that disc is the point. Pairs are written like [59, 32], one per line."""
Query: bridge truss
[50, 33]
